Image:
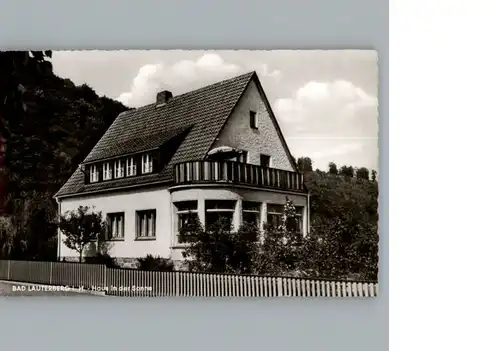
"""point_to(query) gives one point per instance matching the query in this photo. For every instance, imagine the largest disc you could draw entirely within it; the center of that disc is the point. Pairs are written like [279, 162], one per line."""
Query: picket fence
[132, 282]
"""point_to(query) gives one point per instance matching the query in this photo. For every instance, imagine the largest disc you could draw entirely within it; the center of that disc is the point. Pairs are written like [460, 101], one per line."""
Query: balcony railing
[195, 172]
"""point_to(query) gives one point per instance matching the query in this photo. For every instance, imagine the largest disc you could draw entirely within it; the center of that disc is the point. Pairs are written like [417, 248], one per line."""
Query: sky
[325, 101]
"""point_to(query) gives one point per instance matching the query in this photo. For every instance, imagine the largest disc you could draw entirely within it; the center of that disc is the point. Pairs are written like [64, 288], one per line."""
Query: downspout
[308, 213]
[58, 230]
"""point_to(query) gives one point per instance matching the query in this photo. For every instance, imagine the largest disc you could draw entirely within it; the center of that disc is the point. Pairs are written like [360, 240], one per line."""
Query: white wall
[165, 243]
[130, 202]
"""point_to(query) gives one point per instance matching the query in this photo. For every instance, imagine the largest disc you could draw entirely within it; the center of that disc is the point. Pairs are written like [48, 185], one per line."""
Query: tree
[218, 249]
[347, 171]
[15, 67]
[363, 173]
[278, 252]
[304, 164]
[343, 248]
[80, 228]
[48, 125]
[332, 168]
[340, 206]
[374, 175]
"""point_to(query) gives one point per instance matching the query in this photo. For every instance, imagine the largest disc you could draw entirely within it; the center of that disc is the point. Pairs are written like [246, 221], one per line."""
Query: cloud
[180, 77]
[183, 76]
[264, 71]
[331, 122]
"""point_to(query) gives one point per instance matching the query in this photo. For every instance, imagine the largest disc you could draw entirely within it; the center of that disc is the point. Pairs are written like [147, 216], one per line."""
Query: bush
[102, 258]
[150, 263]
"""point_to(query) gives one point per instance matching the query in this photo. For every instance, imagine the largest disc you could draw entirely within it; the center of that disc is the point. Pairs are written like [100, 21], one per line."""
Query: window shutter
[100, 171]
[86, 175]
[138, 164]
[156, 161]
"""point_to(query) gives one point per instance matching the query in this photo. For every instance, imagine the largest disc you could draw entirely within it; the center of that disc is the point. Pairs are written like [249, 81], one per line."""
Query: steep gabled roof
[204, 110]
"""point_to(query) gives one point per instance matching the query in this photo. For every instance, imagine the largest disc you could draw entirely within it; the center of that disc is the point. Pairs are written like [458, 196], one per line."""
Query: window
[106, 171]
[253, 119]
[131, 167]
[119, 169]
[219, 211]
[243, 157]
[147, 163]
[251, 213]
[116, 225]
[187, 214]
[146, 224]
[295, 224]
[265, 160]
[94, 174]
[274, 215]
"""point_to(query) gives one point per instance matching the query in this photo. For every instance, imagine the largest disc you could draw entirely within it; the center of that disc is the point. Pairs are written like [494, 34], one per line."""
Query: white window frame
[131, 167]
[146, 224]
[119, 169]
[257, 211]
[220, 210]
[116, 226]
[107, 173]
[179, 213]
[147, 163]
[272, 213]
[94, 174]
[256, 115]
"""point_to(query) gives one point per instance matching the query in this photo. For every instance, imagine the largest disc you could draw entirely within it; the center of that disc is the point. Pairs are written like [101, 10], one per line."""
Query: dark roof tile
[204, 110]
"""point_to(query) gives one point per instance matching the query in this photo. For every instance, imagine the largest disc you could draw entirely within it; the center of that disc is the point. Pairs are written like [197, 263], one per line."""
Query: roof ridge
[208, 86]
[211, 85]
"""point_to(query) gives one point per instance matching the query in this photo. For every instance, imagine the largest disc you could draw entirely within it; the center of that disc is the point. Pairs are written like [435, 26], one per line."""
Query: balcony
[209, 172]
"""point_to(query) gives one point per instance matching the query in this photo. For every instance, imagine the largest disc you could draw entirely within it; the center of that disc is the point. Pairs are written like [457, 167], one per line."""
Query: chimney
[162, 97]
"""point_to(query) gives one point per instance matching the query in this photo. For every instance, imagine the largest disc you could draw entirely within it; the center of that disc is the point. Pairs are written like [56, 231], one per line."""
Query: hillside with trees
[48, 127]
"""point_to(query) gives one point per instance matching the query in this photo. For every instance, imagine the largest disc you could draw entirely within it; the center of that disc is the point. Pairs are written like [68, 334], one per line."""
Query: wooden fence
[131, 282]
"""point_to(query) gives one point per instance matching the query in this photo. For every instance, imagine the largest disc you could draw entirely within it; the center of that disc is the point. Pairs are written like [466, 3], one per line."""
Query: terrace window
[116, 225]
[265, 160]
[219, 211]
[251, 213]
[147, 164]
[94, 174]
[131, 167]
[106, 171]
[187, 215]
[119, 169]
[243, 157]
[146, 224]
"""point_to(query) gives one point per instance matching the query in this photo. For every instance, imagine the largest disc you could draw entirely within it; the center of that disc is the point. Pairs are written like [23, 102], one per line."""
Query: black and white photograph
[164, 173]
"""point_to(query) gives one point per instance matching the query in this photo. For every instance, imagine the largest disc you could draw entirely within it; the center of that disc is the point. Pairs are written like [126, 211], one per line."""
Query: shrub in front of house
[102, 258]
[151, 263]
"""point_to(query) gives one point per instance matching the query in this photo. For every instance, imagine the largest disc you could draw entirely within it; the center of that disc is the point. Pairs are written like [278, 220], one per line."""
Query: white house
[217, 150]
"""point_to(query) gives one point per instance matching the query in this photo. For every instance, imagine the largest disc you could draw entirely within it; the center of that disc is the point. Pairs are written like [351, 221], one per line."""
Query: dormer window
[253, 120]
[119, 169]
[131, 167]
[106, 171]
[94, 174]
[147, 163]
